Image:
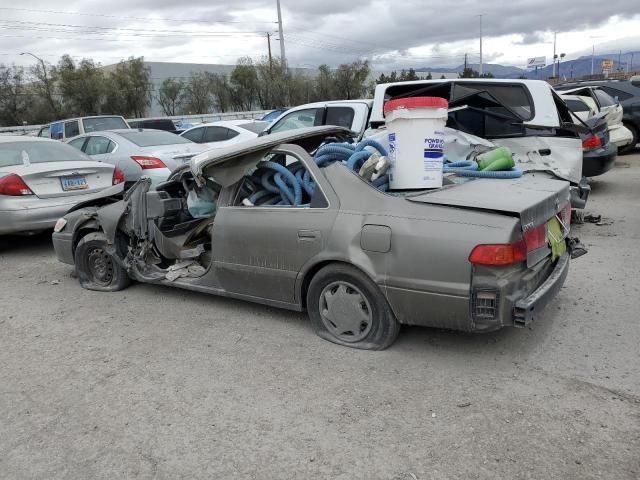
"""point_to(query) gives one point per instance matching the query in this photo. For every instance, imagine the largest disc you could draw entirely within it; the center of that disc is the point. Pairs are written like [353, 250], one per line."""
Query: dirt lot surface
[154, 382]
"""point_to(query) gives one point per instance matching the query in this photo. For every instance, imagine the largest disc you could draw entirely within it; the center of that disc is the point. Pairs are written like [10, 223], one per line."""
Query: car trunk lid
[535, 200]
[60, 179]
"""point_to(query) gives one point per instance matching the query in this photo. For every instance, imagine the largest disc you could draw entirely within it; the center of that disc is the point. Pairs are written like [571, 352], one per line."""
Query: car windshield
[24, 153]
[153, 138]
[255, 127]
[103, 123]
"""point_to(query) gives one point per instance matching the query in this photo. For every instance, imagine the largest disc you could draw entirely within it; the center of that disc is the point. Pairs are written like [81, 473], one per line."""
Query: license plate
[74, 183]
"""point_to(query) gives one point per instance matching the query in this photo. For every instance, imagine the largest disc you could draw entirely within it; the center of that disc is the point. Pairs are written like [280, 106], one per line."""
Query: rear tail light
[14, 186]
[592, 142]
[510, 253]
[500, 254]
[535, 238]
[118, 176]
[148, 162]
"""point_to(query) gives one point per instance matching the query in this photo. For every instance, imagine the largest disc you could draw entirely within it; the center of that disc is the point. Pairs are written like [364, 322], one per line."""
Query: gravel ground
[153, 382]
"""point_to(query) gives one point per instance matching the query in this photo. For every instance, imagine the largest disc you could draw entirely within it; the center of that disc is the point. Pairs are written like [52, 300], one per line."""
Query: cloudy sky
[391, 33]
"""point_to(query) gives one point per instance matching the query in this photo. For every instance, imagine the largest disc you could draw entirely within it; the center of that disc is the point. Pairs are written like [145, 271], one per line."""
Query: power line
[146, 19]
[89, 28]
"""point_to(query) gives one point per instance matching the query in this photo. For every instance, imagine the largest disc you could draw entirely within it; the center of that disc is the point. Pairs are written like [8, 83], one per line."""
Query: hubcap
[100, 266]
[345, 311]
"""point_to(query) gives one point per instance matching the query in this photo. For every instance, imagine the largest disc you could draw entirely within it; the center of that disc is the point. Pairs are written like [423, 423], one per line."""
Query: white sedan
[41, 179]
[225, 132]
[587, 101]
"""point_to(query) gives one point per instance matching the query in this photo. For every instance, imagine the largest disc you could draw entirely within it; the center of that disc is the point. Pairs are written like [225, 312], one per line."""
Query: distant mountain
[498, 71]
[570, 69]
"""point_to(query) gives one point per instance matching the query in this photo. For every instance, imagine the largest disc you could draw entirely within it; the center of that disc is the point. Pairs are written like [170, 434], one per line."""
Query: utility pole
[619, 62]
[593, 53]
[269, 46]
[283, 57]
[553, 75]
[480, 69]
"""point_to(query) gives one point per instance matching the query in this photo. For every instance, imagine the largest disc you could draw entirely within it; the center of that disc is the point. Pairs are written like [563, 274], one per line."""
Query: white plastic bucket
[415, 128]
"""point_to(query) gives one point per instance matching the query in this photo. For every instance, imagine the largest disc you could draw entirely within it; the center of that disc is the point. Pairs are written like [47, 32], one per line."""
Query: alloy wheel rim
[345, 311]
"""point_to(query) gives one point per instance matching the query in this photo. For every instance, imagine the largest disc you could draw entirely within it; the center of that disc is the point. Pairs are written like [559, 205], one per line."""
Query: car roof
[88, 116]
[330, 102]
[23, 138]
[227, 123]
[261, 145]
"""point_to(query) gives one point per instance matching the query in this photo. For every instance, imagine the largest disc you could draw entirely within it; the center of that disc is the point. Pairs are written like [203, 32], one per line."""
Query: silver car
[154, 153]
[41, 179]
[474, 255]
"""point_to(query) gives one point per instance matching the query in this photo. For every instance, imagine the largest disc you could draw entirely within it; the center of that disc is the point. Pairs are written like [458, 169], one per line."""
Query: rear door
[100, 148]
[258, 251]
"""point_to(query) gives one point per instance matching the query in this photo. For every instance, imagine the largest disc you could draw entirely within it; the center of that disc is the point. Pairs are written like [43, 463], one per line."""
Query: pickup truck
[527, 116]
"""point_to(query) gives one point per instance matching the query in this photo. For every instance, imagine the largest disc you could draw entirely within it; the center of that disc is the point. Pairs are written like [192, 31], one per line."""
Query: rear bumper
[33, 218]
[580, 193]
[525, 310]
[597, 162]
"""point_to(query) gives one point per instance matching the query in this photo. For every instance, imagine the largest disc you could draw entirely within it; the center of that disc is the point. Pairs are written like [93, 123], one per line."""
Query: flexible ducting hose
[294, 186]
[469, 168]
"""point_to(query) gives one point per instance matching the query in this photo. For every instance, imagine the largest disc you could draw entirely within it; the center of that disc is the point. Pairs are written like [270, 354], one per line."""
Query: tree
[82, 87]
[350, 80]
[130, 88]
[12, 95]
[273, 83]
[244, 84]
[325, 84]
[44, 84]
[196, 96]
[469, 72]
[428, 77]
[170, 95]
[220, 91]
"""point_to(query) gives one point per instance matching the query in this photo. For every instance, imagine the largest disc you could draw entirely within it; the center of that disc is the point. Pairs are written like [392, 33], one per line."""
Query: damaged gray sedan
[475, 255]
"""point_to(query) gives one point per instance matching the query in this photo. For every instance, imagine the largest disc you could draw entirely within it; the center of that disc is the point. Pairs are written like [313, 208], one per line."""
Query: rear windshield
[24, 153]
[103, 123]
[255, 127]
[153, 138]
[577, 105]
[604, 98]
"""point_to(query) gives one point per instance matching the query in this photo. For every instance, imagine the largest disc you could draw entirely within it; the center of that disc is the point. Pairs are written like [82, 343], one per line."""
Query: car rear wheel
[632, 146]
[96, 268]
[347, 308]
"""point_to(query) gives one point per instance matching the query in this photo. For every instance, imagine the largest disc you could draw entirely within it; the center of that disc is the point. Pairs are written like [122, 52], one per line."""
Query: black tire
[96, 268]
[631, 148]
[358, 298]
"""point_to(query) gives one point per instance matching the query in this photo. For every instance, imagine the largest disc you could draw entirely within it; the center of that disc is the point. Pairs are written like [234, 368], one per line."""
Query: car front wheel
[347, 308]
[96, 268]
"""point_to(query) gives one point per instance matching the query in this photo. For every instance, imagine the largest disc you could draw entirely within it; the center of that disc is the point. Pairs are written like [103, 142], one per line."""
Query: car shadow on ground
[25, 243]
[411, 338]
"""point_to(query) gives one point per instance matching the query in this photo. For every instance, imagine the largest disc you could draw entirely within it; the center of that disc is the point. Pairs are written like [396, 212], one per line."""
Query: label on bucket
[433, 156]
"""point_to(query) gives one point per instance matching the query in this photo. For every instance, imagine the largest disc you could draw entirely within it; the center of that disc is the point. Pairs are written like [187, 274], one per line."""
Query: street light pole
[554, 55]
[480, 69]
[47, 86]
[283, 57]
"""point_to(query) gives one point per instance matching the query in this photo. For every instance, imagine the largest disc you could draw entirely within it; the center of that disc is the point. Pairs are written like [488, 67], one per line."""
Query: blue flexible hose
[369, 142]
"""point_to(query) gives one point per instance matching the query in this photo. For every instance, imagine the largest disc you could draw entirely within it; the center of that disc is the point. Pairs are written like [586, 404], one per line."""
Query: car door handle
[308, 233]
